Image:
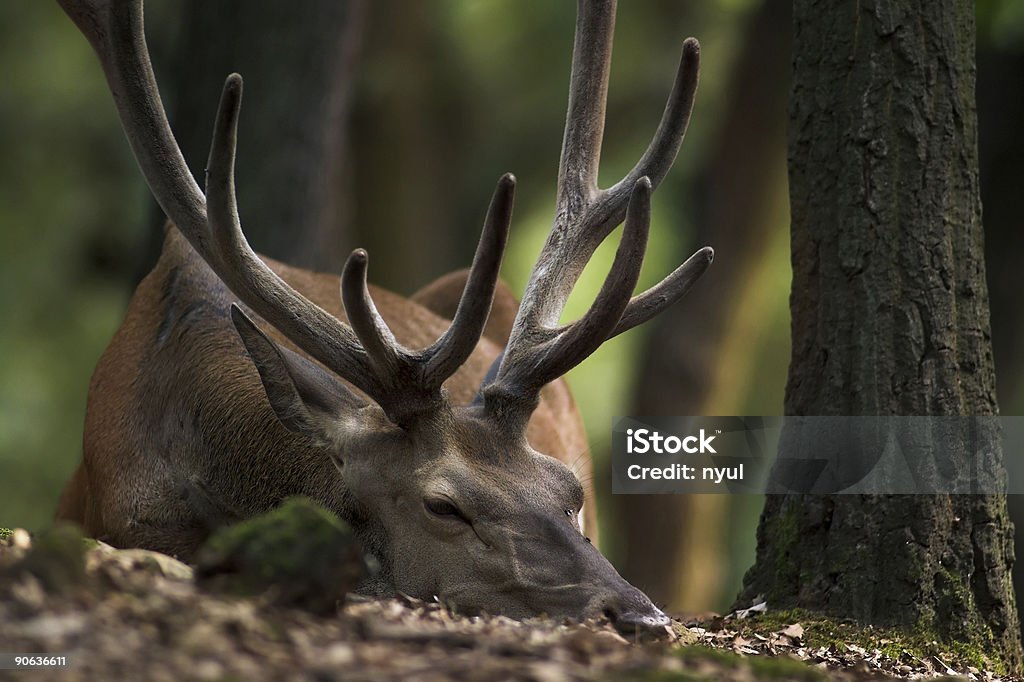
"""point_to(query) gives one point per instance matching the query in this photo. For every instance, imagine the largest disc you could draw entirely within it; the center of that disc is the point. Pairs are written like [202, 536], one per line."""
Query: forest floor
[132, 614]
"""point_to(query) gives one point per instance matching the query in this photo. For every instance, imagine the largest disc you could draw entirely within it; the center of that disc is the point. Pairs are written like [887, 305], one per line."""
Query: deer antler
[539, 350]
[403, 382]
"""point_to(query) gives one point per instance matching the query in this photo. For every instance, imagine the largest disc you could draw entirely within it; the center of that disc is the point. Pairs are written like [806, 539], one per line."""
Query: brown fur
[179, 435]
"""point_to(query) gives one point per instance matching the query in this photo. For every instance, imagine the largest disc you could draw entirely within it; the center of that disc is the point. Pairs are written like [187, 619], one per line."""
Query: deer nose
[630, 611]
[635, 620]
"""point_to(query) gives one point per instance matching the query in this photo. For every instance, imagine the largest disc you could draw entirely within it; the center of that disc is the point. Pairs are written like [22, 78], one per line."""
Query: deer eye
[445, 509]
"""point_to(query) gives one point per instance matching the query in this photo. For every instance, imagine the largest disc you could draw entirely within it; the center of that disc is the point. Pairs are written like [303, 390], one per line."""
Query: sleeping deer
[438, 426]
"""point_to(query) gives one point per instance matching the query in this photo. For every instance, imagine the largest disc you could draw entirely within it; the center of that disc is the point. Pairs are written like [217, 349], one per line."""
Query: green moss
[299, 554]
[726, 663]
[661, 676]
[696, 653]
[5, 533]
[782, 668]
[897, 645]
[952, 593]
[786, 536]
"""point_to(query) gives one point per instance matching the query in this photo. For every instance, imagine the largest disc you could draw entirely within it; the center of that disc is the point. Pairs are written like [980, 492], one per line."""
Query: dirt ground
[137, 615]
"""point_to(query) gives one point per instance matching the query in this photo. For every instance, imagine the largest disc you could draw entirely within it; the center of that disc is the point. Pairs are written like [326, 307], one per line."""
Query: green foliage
[1001, 23]
[705, 663]
[70, 208]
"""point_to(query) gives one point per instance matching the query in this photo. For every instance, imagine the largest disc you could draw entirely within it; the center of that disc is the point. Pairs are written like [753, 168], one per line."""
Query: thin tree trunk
[1000, 110]
[678, 370]
[297, 63]
[890, 317]
[410, 141]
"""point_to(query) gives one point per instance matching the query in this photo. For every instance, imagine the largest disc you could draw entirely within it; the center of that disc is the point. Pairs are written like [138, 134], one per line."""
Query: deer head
[451, 497]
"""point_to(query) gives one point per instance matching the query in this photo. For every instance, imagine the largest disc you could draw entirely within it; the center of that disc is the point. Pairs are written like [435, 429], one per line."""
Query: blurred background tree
[431, 103]
[293, 146]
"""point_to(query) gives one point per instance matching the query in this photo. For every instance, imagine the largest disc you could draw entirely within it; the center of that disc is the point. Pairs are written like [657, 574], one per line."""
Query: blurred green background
[427, 104]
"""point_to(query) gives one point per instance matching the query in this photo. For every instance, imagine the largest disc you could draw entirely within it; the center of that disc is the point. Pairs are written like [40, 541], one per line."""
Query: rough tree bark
[297, 64]
[890, 317]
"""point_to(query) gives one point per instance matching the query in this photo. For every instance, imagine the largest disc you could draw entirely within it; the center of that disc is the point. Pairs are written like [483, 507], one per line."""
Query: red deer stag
[203, 411]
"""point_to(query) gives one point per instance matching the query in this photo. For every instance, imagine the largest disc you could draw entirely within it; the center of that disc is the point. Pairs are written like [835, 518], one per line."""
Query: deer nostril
[631, 621]
[641, 616]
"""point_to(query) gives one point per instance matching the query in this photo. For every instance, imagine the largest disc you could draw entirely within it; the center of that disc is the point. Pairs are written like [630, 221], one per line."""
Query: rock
[140, 560]
[56, 558]
[299, 554]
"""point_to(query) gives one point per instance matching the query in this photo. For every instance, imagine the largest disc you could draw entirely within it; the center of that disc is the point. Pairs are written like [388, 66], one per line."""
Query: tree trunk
[890, 317]
[410, 134]
[291, 175]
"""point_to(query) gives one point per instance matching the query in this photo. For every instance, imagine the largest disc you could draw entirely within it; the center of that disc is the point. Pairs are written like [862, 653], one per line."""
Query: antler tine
[445, 356]
[668, 138]
[567, 347]
[554, 275]
[306, 324]
[115, 31]
[588, 95]
[414, 378]
[538, 351]
[386, 355]
[666, 292]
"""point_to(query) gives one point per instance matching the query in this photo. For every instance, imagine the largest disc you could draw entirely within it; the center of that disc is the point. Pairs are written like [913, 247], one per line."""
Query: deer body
[441, 435]
[175, 385]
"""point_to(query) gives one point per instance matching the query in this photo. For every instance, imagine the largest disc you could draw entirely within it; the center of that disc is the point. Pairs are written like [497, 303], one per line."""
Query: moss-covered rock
[56, 557]
[299, 554]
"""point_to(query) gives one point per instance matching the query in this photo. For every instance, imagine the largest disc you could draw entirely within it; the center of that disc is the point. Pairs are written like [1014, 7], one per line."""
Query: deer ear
[306, 399]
